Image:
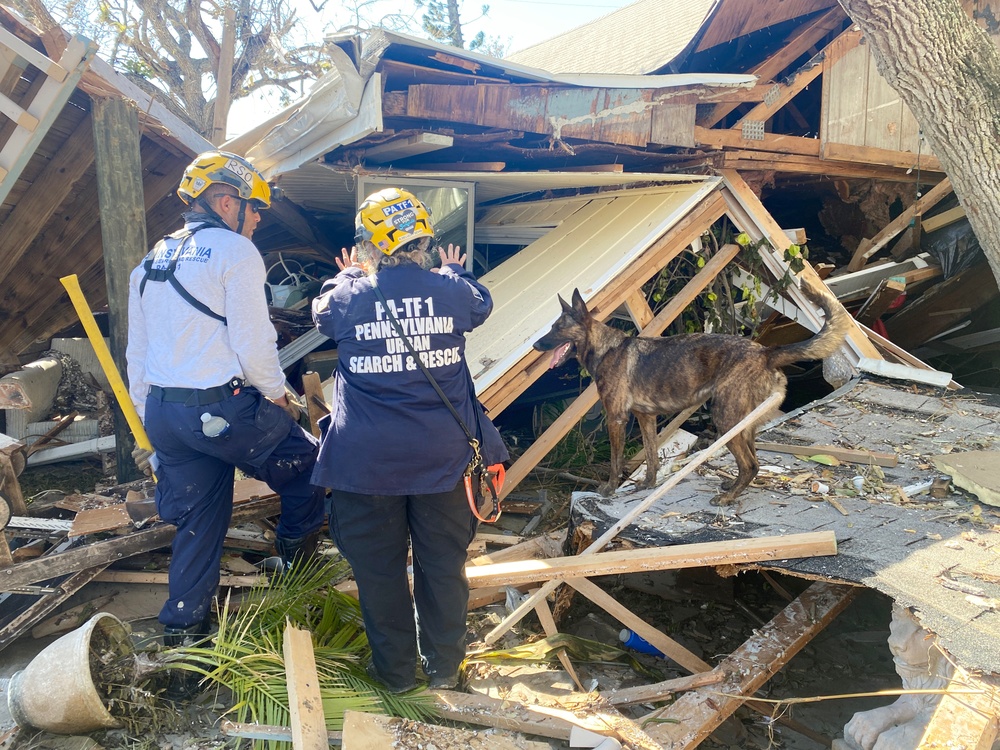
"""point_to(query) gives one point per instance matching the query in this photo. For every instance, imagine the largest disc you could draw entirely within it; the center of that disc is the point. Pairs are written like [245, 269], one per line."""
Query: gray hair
[418, 252]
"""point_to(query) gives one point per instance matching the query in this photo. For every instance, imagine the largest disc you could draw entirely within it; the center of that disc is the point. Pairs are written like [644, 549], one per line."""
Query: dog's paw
[723, 498]
[606, 490]
[647, 484]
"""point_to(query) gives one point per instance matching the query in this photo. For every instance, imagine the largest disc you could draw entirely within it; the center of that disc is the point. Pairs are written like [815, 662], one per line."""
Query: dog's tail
[835, 327]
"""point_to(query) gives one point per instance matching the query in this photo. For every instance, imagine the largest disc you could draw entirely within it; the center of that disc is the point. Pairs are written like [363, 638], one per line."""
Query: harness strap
[167, 274]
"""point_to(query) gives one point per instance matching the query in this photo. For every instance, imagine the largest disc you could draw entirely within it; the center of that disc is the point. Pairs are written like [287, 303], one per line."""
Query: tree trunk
[947, 70]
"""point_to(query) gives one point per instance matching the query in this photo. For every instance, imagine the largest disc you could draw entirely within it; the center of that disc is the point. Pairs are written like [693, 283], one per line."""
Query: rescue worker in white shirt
[201, 345]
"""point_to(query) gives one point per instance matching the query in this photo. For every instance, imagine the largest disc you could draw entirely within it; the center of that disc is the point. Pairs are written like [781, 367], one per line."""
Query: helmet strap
[217, 220]
[243, 214]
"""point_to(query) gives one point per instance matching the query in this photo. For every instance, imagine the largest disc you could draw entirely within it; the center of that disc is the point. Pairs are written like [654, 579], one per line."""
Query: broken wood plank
[697, 460]
[585, 565]
[549, 628]
[160, 577]
[95, 520]
[364, 731]
[943, 219]
[700, 712]
[46, 603]
[267, 732]
[886, 292]
[659, 691]
[501, 714]
[108, 551]
[781, 144]
[897, 225]
[667, 645]
[849, 455]
[966, 719]
[315, 402]
[305, 704]
[72, 618]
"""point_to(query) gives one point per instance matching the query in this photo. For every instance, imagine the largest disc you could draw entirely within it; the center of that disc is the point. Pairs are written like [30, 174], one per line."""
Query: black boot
[183, 684]
[291, 550]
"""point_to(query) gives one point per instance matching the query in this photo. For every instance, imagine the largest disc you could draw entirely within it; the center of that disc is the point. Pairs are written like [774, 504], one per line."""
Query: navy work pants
[371, 532]
[194, 489]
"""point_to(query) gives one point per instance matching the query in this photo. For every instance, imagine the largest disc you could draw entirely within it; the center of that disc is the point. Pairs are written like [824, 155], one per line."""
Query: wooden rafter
[805, 75]
[797, 45]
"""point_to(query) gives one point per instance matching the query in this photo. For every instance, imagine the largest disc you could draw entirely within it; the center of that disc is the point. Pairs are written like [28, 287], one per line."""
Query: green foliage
[245, 656]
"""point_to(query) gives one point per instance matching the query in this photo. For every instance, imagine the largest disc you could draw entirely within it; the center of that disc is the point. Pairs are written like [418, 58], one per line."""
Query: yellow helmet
[391, 218]
[228, 169]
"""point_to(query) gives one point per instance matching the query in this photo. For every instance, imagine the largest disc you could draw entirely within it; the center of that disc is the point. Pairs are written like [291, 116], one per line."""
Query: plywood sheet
[587, 250]
[845, 98]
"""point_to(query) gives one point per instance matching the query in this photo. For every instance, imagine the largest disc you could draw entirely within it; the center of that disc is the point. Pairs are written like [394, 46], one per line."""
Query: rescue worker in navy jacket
[201, 345]
[392, 452]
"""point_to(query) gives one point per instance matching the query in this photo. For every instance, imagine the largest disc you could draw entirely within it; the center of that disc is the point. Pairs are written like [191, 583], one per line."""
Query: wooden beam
[732, 552]
[403, 148]
[698, 713]
[267, 732]
[123, 230]
[143, 577]
[670, 648]
[365, 731]
[841, 454]
[943, 219]
[305, 703]
[885, 157]
[638, 309]
[799, 42]
[315, 400]
[782, 144]
[802, 164]
[869, 247]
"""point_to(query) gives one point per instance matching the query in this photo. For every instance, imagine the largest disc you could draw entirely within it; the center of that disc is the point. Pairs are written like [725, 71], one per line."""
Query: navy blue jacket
[389, 433]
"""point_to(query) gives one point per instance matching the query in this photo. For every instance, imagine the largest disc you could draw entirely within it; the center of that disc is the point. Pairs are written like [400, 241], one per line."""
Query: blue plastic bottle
[638, 643]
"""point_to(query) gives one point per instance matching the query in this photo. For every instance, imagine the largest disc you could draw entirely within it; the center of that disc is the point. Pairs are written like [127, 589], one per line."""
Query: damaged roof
[936, 556]
[653, 36]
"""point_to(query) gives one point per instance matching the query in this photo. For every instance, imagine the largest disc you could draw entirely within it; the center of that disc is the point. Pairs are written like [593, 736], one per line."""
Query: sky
[516, 23]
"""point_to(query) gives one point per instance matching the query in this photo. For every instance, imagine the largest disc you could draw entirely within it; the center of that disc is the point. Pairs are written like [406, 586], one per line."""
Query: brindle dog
[665, 375]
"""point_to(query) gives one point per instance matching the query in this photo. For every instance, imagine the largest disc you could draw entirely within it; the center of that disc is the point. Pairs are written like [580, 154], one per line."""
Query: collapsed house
[581, 163]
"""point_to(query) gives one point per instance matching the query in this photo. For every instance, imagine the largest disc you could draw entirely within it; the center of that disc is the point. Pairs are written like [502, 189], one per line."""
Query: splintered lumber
[161, 578]
[108, 551]
[364, 731]
[268, 732]
[543, 546]
[731, 552]
[45, 605]
[697, 460]
[626, 617]
[849, 455]
[315, 403]
[660, 691]
[305, 704]
[699, 712]
[880, 300]
[966, 719]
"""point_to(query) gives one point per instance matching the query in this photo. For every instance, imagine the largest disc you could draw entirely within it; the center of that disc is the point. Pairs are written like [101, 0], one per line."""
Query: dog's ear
[579, 306]
[566, 306]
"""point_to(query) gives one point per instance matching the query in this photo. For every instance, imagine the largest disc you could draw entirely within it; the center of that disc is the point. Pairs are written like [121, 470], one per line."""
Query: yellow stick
[72, 284]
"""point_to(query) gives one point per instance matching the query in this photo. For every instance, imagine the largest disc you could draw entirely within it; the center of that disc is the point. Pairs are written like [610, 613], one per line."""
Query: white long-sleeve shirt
[172, 344]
